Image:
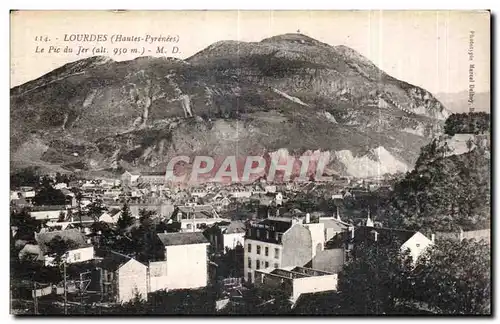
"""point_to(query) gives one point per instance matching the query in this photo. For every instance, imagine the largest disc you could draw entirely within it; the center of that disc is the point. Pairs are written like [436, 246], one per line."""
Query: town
[91, 245]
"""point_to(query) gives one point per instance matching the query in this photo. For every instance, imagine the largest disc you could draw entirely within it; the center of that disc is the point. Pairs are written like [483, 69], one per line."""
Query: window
[257, 265]
[77, 256]
[249, 263]
[267, 235]
[418, 245]
[188, 226]
[258, 233]
[276, 253]
[276, 236]
[250, 276]
[267, 264]
[276, 266]
[258, 249]
[266, 251]
[249, 248]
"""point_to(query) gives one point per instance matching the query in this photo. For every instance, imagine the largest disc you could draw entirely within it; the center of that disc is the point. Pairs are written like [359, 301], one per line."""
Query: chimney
[433, 237]
[308, 218]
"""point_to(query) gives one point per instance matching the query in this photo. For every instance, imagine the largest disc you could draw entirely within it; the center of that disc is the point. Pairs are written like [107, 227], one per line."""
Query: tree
[148, 247]
[25, 177]
[62, 217]
[79, 197]
[57, 248]
[454, 277]
[373, 280]
[26, 225]
[125, 219]
[47, 195]
[95, 209]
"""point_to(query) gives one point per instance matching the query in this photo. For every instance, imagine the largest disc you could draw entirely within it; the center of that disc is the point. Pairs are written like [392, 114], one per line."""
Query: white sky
[425, 48]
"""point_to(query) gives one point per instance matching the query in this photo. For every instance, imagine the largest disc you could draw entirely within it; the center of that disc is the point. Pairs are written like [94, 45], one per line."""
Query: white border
[190, 4]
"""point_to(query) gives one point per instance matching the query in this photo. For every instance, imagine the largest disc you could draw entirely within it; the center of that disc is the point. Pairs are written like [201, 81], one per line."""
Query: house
[226, 235]
[129, 179]
[278, 199]
[194, 218]
[123, 278]
[270, 188]
[337, 249]
[241, 192]
[110, 216]
[334, 225]
[221, 202]
[154, 177]
[199, 192]
[294, 281]
[185, 265]
[280, 242]
[48, 212]
[80, 252]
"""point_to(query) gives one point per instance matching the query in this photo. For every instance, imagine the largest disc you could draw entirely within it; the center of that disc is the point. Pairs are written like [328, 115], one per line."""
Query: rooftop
[169, 239]
[364, 234]
[73, 235]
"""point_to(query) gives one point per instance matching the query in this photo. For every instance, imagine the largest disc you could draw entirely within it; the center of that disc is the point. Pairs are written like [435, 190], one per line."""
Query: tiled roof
[169, 239]
[112, 261]
[73, 235]
[365, 234]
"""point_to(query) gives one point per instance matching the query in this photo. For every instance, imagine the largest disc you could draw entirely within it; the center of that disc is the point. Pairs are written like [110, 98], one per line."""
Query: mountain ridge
[285, 92]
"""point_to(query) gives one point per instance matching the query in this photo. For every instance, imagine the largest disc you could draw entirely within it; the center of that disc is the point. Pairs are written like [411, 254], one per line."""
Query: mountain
[286, 93]
[458, 102]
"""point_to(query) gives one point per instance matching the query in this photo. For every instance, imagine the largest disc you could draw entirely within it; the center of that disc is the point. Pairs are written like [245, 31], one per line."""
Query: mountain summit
[288, 92]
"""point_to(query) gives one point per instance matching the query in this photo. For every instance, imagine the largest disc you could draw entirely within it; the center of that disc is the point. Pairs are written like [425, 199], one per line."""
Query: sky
[425, 48]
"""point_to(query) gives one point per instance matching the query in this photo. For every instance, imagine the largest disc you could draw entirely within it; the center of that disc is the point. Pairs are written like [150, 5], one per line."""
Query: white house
[48, 212]
[129, 179]
[337, 249]
[194, 218]
[185, 265]
[110, 216]
[80, 251]
[123, 278]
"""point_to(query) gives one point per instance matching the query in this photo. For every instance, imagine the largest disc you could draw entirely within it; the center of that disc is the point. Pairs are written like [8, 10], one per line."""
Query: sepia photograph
[250, 162]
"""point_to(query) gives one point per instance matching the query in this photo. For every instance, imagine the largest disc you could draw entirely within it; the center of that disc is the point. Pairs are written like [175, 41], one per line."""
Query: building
[154, 177]
[129, 179]
[226, 235]
[295, 281]
[123, 278]
[199, 192]
[80, 251]
[49, 212]
[185, 265]
[337, 249]
[194, 218]
[280, 242]
[334, 225]
[111, 216]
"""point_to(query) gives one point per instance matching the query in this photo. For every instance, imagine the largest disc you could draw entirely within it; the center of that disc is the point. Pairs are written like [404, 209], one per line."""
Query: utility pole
[65, 290]
[35, 300]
